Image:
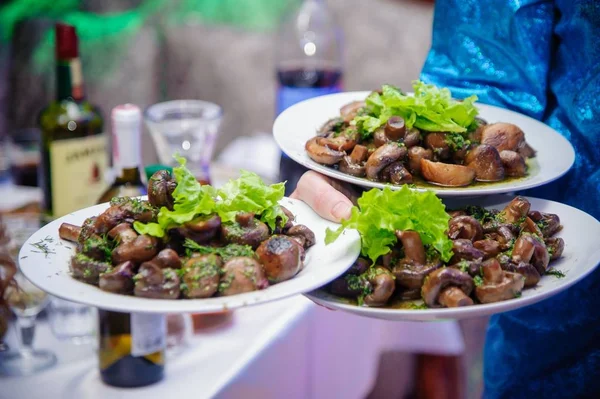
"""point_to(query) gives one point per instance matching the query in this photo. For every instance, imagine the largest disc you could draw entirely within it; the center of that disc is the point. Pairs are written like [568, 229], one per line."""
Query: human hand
[330, 199]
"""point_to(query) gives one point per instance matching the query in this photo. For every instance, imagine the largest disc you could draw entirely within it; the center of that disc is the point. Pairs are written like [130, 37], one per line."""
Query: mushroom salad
[394, 138]
[413, 249]
[190, 241]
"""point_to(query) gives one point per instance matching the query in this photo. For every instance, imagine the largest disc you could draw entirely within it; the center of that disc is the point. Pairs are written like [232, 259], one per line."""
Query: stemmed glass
[26, 301]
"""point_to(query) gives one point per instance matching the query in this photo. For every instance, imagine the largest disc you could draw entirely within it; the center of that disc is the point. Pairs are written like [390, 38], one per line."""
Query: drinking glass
[74, 322]
[26, 301]
[185, 127]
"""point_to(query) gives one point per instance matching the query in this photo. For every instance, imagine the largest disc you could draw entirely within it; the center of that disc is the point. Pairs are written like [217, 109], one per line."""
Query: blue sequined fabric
[540, 58]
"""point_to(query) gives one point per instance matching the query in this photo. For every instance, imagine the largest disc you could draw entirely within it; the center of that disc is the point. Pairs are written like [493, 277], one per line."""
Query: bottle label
[148, 333]
[288, 96]
[77, 166]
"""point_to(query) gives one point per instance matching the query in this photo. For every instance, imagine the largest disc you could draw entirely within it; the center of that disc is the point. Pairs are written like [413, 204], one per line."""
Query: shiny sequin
[540, 58]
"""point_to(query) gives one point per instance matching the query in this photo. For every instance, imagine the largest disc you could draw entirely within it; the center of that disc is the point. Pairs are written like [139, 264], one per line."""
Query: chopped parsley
[456, 141]
[227, 252]
[226, 282]
[556, 273]
[480, 213]
[417, 306]
[463, 265]
[478, 281]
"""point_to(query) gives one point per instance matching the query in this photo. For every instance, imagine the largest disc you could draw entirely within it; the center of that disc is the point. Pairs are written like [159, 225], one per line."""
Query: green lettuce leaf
[381, 212]
[430, 109]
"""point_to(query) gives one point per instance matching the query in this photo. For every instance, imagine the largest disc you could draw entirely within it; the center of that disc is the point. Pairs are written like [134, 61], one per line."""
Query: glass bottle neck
[69, 80]
[130, 176]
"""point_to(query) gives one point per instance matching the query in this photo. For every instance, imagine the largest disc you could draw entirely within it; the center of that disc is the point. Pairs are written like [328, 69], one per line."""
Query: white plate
[51, 272]
[580, 257]
[555, 155]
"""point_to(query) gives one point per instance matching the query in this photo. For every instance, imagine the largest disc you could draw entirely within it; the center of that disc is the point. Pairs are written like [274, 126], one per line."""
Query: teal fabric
[540, 58]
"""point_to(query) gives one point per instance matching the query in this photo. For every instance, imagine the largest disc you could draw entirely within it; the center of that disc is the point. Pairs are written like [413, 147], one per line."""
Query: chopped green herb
[417, 306]
[456, 141]
[556, 273]
[227, 252]
[42, 246]
[478, 281]
[463, 265]
[518, 294]
[226, 283]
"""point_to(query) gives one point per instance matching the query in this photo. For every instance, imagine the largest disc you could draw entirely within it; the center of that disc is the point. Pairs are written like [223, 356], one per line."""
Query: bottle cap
[126, 128]
[66, 42]
[152, 169]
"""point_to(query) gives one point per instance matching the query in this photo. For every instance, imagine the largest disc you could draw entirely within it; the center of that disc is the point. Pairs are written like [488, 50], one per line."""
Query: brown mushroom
[118, 280]
[359, 154]
[331, 126]
[437, 143]
[555, 246]
[96, 247]
[280, 257]
[395, 129]
[465, 227]
[153, 282]
[531, 249]
[349, 111]
[242, 274]
[340, 142]
[87, 269]
[549, 223]
[498, 285]
[513, 163]
[413, 138]
[464, 249]
[516, 210]
[160, 189]
[382, 284]
[69, 232]
[142, 249]
[167, 259]
[447, 287]
[323, 154]
[382, 157]
[202, 228]
[201, 276]
[380, 138]
[527, 270]
[412, 269]
[251, 234]
[469, 266]
[503, 136]
[526, 151]
[485, 161]
[123, 233]
[445, 174]
[354, 169]
[396, 173]
[415, 154]
[529, 226]
[303, 235]
[489, 247]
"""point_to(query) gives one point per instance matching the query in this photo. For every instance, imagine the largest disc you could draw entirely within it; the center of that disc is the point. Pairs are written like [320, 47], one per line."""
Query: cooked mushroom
[415, 154]
[201, 276]
[380, 138]
[513, 163]
[485, 161]
[167, 259]
[323, 154]
[124, 209]
[339, 142]
[251, 234]
[526, 151]
[529, 226]
[331, 126]
[469, 266]
[503, 136]
[242, 274]
[382, 284]
[464, 249]
[69, 232]
[412, 138]
[303, 235]
[202, 229]
[96, 247]
[412, 269]
[516, 210]
[123, 233]
[395, 129]
[549, 223]
[359, 154]
[142, 249]
[447, 287]
[347, 166]
[87, 269]
[465, 227]
[289, 223]
[527, 270]
[160, 189]
[350, 286]
[396, 173]
[489, 247]
[153, 282]
[119, 280]
[349, 111]
[437, 143]
[382, 157]
[498, 285]
[446, 174]
[281, 258]
[360, 266]
[555, 246]
[87, 229]
[531, 249]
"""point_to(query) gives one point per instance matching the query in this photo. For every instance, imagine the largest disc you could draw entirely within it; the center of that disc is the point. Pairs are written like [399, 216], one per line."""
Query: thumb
[316, 191]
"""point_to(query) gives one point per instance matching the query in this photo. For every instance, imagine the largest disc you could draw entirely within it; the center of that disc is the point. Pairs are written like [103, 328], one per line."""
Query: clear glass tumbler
[188, 128]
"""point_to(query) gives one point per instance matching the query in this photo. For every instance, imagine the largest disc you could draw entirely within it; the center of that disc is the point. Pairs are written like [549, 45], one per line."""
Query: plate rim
[171, 306]
[308, 163]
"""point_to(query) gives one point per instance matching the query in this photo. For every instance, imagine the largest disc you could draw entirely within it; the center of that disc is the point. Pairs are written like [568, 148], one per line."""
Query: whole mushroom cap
[443, 278]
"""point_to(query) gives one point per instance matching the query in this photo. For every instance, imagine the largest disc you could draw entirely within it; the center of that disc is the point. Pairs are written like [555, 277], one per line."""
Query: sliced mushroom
[531, 249]
[349, 111]
[142, 249]
[465, 227]
[413, 138]
[555, 246]
[411, 270]
[485, 161]
[302, 233]
[437, 143]
[323, 154]
[153, 282]
[119, 280]
[513, 163]
[355, 169]
[382, 284]
[503, 136]
[280, 257]
[447, 287]
[446, 174]
[382, 157]
[498, 285]
[395, 129]
[242, 274]
[396, 173]
[415, 154]
[201, 276]
[160, 189]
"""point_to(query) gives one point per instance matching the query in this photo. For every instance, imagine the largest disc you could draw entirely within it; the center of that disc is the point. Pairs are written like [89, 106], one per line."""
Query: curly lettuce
[381, 212]
[430, 109]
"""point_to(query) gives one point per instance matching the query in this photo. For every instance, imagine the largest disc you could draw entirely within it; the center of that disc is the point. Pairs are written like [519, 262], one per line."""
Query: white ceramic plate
[580, 257]
[555, 155]
[50, 272]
